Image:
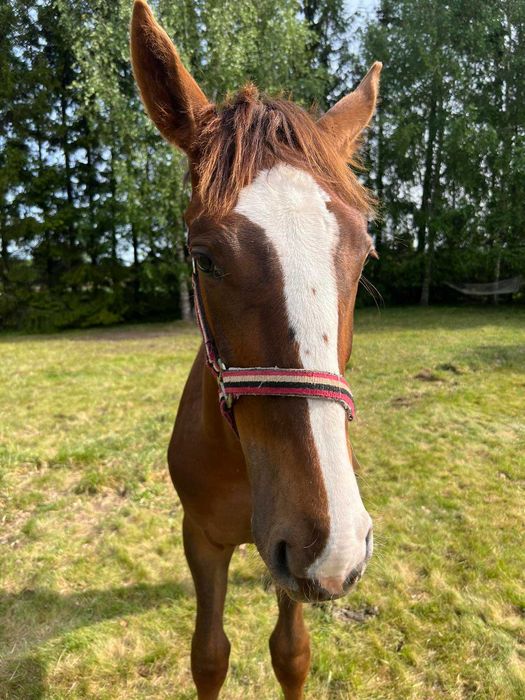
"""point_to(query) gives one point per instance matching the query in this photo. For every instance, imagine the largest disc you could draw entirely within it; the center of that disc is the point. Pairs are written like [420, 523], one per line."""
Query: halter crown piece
[235, 382]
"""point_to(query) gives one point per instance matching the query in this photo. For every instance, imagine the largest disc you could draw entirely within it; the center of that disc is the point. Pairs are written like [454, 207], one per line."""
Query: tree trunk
[113, 191]
[424, 298]
[435, 193]
[69, 182]
[47, 234]
[497, 270]
[427, 178]
[4, 243]
[379, 179]
[136, 278]
[184, 292]
[90, 180]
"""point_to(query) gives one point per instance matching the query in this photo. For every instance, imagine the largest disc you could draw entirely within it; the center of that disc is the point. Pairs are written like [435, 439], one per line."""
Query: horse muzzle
[304, 585]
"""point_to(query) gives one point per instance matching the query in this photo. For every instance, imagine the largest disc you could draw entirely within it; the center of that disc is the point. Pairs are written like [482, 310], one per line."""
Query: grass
[96, 600]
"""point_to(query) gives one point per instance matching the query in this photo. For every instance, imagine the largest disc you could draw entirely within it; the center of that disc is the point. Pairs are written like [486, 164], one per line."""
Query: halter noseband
[235, 382]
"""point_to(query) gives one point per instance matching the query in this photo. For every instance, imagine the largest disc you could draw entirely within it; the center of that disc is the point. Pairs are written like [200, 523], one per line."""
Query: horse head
[278, 235]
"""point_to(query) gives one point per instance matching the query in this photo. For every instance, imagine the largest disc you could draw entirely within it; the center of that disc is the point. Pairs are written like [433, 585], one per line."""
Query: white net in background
[509, 286]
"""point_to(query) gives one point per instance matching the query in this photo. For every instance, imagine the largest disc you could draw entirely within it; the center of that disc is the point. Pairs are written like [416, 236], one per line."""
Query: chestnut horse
[278, 236]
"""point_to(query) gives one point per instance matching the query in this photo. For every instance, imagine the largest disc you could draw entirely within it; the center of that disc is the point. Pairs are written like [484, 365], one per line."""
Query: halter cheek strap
[235, 382]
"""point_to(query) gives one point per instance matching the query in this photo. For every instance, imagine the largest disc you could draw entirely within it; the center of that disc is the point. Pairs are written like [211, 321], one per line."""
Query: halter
[234, 382]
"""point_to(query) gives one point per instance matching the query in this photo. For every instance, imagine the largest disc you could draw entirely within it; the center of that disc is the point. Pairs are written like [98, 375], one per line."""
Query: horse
[277, 234]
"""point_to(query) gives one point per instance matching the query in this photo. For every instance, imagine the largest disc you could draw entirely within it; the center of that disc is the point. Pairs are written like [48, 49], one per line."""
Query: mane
[249, 133]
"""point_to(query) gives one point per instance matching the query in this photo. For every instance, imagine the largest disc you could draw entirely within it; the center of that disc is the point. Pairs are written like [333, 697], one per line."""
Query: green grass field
[96, 600]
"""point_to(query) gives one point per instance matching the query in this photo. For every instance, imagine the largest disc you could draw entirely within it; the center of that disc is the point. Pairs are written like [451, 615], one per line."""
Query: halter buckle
[225, 398]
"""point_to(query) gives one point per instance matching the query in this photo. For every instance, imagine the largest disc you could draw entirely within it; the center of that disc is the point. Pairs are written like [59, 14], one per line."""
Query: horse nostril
[369, 544]
[353, 577]
[280, 559]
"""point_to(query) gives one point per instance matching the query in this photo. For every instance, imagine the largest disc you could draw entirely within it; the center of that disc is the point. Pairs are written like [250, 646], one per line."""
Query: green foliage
[92, 200]
[446, 149]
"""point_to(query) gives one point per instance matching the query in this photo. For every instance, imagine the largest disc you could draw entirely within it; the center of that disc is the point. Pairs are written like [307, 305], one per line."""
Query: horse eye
[204, 263]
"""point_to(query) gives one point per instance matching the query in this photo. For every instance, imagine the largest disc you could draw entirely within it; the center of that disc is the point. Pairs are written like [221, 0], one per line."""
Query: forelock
[249, 133]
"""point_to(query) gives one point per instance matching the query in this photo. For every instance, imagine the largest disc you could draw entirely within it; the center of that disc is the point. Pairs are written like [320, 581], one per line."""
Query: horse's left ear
[352, 114]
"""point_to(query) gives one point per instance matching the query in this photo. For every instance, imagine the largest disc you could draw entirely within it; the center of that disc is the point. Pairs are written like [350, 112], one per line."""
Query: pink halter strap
[235, 382]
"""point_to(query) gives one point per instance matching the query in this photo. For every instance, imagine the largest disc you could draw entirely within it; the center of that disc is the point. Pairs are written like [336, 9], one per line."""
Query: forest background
[91, 198]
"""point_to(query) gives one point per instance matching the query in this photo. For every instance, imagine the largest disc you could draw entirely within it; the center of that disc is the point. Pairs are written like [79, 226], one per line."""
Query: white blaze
[291, 208]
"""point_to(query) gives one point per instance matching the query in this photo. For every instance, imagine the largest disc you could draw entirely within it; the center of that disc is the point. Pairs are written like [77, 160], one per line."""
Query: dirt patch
[350, 615]
[110, 334]
[136, 333]
[449, 367]
[80, 514]
[404, 401]
[426, 375]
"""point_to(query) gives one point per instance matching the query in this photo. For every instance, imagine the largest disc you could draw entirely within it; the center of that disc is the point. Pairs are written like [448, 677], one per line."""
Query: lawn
[96, 600]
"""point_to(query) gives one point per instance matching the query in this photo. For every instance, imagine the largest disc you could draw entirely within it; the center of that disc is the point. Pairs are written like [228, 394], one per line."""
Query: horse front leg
[290, 647]
[210, 649]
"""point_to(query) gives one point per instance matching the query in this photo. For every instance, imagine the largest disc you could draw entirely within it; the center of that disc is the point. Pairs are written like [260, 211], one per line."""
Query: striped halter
[234, 382]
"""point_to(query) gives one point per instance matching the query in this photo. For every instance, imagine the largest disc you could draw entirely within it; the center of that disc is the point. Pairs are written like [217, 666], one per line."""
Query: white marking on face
[290, 207]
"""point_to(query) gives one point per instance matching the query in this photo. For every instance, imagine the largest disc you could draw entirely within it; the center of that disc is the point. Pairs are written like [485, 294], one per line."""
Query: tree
[443, 133]
[91, 195]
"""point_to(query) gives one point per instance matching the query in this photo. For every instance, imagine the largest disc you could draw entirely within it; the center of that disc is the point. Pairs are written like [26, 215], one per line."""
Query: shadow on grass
[33, 617]
[367, 320]
[496, 357]
[115, 334]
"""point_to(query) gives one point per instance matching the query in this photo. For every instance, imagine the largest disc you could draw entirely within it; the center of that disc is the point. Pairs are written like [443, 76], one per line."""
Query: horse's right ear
[170, 94]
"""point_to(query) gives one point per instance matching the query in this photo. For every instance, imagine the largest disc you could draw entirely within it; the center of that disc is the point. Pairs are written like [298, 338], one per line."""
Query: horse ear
[171, 96]
[352, 114]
